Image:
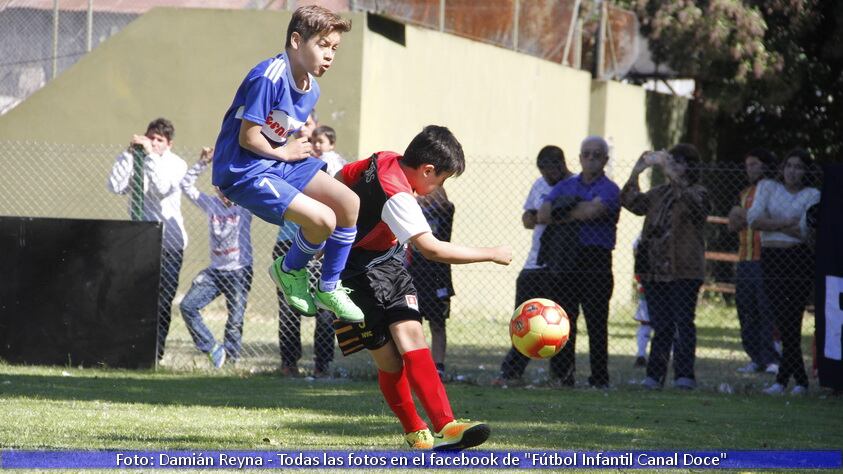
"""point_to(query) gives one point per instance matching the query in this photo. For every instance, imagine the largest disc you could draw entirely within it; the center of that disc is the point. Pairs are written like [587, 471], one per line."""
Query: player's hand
[502, 255]
[143, 141]
[641, 164]
[297, 149]
[207, 155]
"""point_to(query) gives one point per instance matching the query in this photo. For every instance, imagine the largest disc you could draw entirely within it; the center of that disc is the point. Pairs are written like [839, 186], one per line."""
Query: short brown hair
[311, 20]
[162, 127]
[329, 133]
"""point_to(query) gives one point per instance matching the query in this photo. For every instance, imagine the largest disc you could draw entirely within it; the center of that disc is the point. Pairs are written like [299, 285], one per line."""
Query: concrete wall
[503, 107]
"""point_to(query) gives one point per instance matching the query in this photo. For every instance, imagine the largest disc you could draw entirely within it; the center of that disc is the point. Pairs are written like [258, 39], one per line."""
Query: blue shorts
[269, 194]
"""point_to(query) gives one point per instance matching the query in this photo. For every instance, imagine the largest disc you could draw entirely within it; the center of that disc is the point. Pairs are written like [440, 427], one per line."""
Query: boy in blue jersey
[262, 167]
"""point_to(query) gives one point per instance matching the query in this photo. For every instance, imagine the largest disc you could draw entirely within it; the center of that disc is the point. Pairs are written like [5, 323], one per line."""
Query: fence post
[55, 36]
[136, 189]
[441, 15]
[90, 26]
[516, 21]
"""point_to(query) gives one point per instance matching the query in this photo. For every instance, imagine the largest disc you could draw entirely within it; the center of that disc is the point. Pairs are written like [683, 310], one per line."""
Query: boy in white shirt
[156, 196]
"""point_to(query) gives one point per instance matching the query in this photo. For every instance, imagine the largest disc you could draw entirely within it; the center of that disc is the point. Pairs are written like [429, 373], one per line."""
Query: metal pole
[578, 45]
[90, 26]
[516, 25]
[599, 70]
[55, 36]
[575, 15]
[441, 15]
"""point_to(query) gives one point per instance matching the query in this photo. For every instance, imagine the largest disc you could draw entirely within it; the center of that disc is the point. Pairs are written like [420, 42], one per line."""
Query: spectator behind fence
[642, 315]
[750, 299]
[588, 205]
[433, 279]
[230, 273]
[534, 278]
[153, 185]
[779, 212]
[289, 321]
[671, 258]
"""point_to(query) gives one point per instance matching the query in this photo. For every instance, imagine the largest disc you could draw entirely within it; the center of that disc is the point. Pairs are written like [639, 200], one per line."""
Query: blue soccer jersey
[268, 96]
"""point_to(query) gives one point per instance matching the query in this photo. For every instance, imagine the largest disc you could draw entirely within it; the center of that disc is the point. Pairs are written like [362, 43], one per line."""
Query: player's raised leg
[316, 222]
[450, 434]
[344, 203]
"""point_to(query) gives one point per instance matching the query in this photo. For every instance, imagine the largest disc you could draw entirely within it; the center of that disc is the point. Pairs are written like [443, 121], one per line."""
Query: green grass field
[67, 408]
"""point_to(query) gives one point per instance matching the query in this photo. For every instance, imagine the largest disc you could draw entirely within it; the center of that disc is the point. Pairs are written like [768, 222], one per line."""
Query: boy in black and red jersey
[392, 331]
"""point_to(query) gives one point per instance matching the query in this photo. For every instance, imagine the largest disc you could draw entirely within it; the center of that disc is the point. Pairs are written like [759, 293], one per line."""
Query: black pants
[672, 306]
[289, 327]
[171, 261]
[531, 283]
[788, 284]
[590, 289]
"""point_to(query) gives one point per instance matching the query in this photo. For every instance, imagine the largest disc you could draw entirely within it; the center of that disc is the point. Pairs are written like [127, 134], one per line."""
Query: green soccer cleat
[458, 435]
[339, 303]
[421, 439]
[295, 287]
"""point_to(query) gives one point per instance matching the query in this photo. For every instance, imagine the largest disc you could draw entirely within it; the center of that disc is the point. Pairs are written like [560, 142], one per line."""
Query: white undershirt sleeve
[404, 217]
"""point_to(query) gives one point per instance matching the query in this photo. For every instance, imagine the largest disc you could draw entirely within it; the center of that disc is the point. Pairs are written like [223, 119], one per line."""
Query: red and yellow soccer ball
[539, 328]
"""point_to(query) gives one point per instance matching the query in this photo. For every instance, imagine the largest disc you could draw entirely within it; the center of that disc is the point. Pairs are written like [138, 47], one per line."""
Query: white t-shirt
[538, 192]
[404, 217]
[773, 200]
[161, 192]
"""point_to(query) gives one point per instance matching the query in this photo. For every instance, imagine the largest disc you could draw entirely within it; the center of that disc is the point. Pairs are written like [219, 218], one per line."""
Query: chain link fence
[484, 206]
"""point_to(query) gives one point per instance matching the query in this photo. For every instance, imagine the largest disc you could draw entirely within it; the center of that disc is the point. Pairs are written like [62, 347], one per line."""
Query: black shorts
[435, 307]
[386, 295]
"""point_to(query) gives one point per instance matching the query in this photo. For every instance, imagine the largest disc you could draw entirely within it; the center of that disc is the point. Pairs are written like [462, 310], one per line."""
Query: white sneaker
[775, 389]
[799, 390]
[772, 368]
[749, 368]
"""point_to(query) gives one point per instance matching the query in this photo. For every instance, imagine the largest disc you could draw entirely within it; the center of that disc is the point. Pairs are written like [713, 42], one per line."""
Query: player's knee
[348, 208]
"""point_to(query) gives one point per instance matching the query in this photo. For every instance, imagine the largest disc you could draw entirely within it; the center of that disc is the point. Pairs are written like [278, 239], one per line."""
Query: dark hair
[311, 20]
[163, 127]
[327, 131]
[435, 146]
[767, 158]
[688, 154]
[550, 154]
[805, 156]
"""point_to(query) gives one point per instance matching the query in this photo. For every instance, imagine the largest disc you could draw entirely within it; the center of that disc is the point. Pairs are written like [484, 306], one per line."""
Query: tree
[767, 72]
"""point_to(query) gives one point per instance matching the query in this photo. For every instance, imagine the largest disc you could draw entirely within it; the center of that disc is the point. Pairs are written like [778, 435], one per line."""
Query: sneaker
[339, 303]
[685, 383]
[321, 373]
[750, 368]
[650, 383]
[556, 382]
[217, 356]
[772, 368]
[799, 390]
[458, 435]
[290, 371]
[295, 287]
[775, 389]
[640, 361]
[421, 439]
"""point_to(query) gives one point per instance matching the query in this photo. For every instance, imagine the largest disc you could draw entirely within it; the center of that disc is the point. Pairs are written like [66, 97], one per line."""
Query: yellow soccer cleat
[421, 439]
[458, 435]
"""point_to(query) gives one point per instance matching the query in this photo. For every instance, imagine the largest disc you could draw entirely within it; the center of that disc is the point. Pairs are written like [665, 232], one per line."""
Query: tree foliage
[768, 72]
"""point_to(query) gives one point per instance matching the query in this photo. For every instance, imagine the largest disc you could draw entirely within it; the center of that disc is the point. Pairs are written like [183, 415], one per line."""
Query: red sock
[396, 392]
[424, 379]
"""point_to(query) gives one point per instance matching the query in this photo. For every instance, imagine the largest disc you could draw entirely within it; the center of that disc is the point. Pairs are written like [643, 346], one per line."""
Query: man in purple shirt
[588, 283]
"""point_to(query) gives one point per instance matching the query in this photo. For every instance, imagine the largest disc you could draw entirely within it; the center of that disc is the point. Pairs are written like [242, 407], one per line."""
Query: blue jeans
[210, 283]
[672, 306]
[171, 260]
[754, 313]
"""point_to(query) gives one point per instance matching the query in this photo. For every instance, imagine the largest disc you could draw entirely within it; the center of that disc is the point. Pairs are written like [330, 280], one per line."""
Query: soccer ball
[539, 328]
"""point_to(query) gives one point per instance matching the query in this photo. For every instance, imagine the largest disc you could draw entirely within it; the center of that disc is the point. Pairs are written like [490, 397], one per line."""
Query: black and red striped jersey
[389, 214]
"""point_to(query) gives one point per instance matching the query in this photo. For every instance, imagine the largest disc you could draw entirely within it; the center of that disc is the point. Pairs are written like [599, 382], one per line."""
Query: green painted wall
[183, 64]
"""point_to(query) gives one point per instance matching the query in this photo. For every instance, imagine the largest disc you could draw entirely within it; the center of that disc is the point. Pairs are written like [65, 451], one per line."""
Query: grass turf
[68, 408]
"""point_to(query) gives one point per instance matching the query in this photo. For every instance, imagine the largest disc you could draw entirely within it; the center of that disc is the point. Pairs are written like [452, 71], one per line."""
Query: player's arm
[252, 139]
[447, 252]
[588, 210]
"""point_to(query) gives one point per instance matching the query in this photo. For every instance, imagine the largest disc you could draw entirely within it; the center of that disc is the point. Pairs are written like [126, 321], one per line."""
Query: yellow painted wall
[503, 107]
